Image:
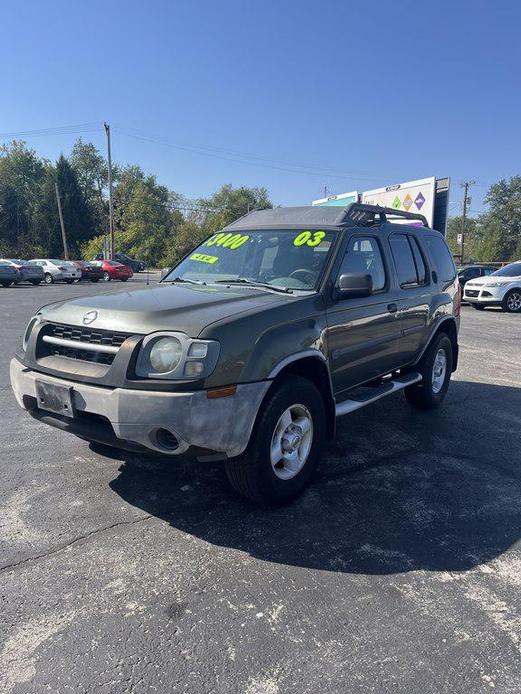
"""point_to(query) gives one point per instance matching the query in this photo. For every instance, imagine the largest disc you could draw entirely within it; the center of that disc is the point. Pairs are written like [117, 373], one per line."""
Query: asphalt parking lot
[399, 570]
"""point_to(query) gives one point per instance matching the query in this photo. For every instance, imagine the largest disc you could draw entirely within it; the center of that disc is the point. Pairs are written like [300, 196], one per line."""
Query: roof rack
[364, 215]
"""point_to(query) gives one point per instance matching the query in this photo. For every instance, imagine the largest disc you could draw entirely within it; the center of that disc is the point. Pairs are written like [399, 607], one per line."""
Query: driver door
[363, 333]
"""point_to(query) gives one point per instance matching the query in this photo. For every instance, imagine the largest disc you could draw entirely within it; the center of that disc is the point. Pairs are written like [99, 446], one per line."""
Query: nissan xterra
[254, 343]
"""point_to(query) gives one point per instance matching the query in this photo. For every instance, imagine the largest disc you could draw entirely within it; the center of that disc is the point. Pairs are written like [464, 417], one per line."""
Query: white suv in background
[501, 288]
[58, 270]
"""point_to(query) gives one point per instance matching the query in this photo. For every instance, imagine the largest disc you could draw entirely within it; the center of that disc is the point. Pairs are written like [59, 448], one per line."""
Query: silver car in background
[29, 271]
[55, 270]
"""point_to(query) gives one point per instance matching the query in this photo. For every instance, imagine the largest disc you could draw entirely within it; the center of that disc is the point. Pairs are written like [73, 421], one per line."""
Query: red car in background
[89, 271]
[112, 270]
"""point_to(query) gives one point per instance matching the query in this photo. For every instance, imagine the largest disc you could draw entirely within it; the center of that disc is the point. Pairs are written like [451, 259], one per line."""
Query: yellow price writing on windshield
[204, 258]
[309, 238]
[227, 240]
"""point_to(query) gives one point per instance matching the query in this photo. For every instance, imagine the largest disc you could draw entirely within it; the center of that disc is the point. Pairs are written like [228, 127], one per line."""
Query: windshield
[281, 259]
[512, 270]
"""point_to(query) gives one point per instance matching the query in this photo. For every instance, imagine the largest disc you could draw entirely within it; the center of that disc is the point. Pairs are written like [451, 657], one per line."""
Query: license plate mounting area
[55, 398]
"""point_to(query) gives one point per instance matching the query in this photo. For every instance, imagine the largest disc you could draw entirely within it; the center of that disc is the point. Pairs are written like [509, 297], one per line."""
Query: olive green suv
[250, 348]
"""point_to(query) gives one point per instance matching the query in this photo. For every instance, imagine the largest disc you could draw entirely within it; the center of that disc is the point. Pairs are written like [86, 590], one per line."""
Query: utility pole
[62, 225]
[112, 250]
[466, 202]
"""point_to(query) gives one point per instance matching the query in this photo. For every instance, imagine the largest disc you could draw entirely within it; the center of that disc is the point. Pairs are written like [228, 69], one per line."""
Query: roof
[356, 214]
[288, 217]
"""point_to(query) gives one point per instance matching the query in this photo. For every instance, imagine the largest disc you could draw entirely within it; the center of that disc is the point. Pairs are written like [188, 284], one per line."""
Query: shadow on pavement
[398, 491]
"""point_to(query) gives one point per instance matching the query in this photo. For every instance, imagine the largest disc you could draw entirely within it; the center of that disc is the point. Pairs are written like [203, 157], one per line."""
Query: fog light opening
[166, 440]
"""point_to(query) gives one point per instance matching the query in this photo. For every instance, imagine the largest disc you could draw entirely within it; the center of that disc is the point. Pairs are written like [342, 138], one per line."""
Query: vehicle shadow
[399, 490]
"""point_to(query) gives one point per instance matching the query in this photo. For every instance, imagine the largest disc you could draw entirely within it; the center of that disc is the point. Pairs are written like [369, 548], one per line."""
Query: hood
[186, 308]
[490, 279]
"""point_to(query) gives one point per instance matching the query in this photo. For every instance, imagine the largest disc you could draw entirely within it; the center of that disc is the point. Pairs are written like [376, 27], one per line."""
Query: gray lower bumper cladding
[222, 425]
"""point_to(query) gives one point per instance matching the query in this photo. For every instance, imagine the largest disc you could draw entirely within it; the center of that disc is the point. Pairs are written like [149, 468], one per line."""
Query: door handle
[392, 308]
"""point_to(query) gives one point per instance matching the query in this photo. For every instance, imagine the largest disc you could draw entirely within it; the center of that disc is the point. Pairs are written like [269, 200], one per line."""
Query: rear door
[362, 333]
[414, 304]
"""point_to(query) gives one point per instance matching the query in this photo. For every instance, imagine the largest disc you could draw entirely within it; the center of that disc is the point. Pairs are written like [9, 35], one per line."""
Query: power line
[58, 130]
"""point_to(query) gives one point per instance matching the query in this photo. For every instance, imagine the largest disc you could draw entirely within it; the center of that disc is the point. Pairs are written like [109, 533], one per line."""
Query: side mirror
[353, 284]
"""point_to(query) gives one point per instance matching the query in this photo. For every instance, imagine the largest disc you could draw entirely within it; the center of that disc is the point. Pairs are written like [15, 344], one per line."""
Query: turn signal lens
[198, 349]
[194, 368]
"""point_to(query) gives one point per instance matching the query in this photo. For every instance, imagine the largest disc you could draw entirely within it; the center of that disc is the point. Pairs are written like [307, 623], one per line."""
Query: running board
[375, 393]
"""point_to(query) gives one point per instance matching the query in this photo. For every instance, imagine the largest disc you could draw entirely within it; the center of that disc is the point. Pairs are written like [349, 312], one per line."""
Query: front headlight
[175, 356]
[166, 354]
[492, 284]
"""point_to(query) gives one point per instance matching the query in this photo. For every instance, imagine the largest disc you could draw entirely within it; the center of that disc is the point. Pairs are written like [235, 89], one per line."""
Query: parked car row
[50, 270]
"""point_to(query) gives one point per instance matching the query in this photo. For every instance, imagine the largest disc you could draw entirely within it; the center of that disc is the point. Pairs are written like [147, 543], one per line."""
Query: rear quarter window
[441, 257]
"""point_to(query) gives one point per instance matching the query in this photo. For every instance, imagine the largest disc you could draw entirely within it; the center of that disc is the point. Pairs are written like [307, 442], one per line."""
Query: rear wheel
[285, 445]
[106, 277]
[48, 278]
[512, 301]
[435, 369]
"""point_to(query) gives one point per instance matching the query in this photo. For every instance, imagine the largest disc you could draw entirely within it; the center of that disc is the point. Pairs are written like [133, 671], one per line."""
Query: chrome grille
[58, 340]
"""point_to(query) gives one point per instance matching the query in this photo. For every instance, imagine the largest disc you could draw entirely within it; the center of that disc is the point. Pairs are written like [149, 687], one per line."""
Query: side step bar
[372, 394]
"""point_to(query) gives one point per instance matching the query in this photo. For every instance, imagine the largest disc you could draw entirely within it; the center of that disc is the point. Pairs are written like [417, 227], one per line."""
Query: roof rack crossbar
[358, 210]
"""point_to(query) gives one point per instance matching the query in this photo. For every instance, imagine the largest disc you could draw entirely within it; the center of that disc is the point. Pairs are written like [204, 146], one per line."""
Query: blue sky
[362, 95]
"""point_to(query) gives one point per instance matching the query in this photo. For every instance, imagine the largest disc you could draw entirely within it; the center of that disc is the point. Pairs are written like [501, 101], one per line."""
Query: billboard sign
[413, 196]
[337, 200]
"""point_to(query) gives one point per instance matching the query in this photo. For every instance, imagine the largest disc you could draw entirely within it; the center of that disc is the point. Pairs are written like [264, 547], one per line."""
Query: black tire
[95, 280]
[423, 395]
[512, 301]
[69, 281]
[124, 279]
[35, 283]
[478, 307]
[251, 474]
[106, 277]
[48, 278]
[6, 284]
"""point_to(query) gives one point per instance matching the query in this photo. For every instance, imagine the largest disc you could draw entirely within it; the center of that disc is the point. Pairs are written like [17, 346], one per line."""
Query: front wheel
[435, 369]
[285, 445]
[512, 301]
[48, 278]
[106, 277]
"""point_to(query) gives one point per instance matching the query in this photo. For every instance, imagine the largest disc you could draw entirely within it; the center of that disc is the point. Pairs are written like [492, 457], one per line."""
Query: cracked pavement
[399, 568]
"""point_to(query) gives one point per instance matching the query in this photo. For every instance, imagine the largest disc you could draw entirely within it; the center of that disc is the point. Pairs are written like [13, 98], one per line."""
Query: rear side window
[404, 260]
[418, 260]
[443, 263]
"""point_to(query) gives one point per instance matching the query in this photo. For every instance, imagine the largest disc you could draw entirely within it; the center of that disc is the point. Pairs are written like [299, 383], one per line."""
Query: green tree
[92, 172]
[494, 244]
[471, 236]
[504, 200]
[77, 217]
[229, 203]
[21, 176]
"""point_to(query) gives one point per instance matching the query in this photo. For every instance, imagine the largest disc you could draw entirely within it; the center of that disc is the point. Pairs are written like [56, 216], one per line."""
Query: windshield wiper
[183, 279]
[254, 283]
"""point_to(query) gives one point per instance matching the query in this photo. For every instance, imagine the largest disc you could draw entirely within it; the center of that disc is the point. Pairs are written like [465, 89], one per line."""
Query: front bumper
[221, 425]
[483, 295]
